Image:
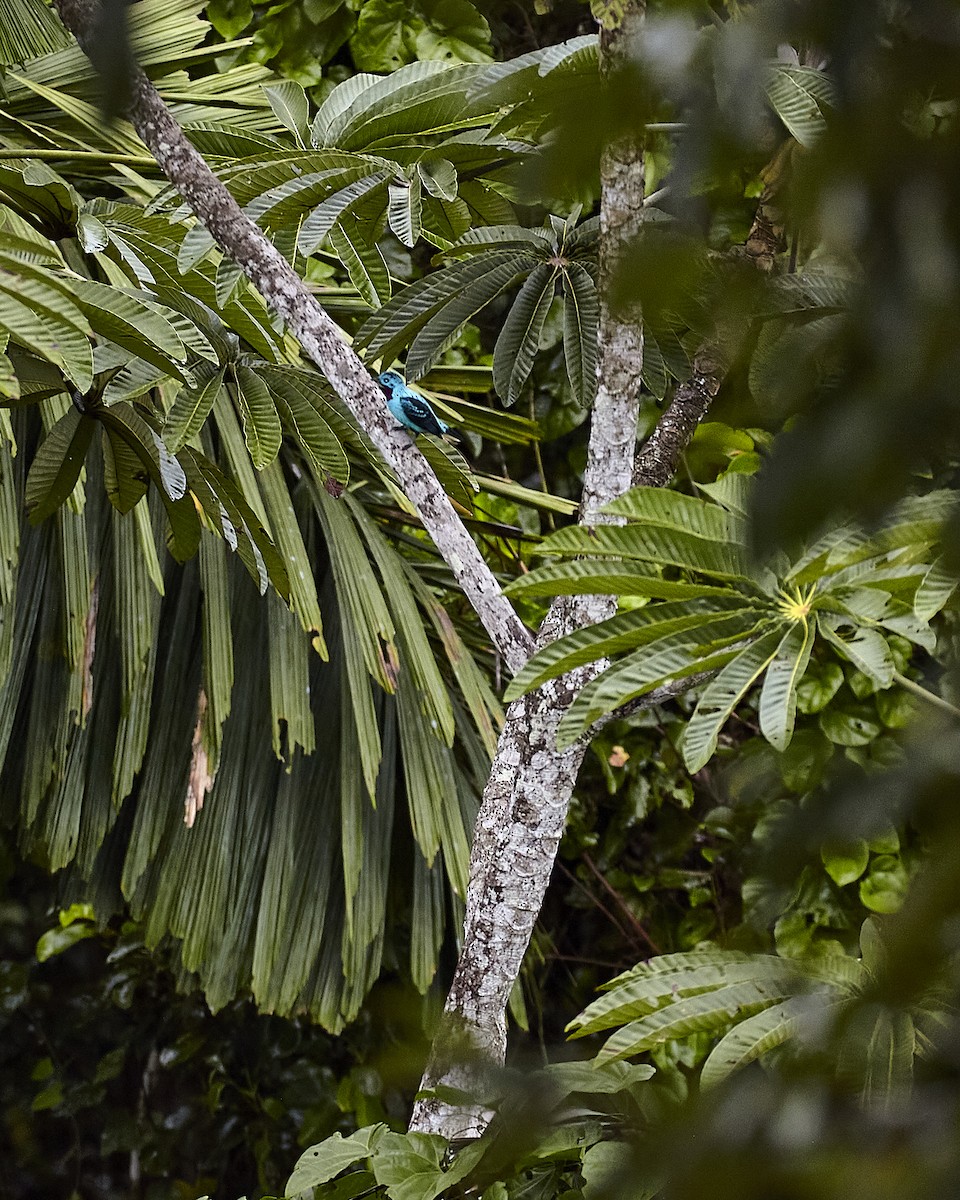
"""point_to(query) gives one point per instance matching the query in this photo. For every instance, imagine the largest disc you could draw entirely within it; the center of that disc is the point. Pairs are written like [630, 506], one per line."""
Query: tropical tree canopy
[248, 714]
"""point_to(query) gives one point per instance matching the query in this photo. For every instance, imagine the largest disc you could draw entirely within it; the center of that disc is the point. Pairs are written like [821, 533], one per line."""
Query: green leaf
[289, 103]
[123, 422]
[818, 686]
[800, 97]
[850, 726]
[38, 315]
[57, 465]
[581, 577]
[865, 648]
[641, 993]
[519, 338]
[439, 176]
[330, 211]
[57, 940]
[704, 1013]
[455, 31]
[404, 209]
[625, 631]
[125, 478]
[749, 1040]
[261, 425]
[936, 588]
[231, 515]
[129, 322]
[674, 657]
[778, 697]
[682, 514]
[379, 43]
[721, 696]
[725, 560]
[386, 332]
[845, 864]
[581, 314]
[451, 468]
[192, 407]
[28, 30]
[328, 1158]
[303, 420]
[365, 265]
[884, 889]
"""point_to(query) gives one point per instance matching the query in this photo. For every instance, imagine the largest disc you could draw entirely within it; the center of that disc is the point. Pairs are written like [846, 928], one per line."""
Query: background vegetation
[187, 1007]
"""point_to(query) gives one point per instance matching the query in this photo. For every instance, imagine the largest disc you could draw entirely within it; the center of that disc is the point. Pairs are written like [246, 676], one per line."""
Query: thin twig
[631, 916]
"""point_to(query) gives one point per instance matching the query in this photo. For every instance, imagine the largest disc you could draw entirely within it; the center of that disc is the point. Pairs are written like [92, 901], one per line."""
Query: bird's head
[391, 381]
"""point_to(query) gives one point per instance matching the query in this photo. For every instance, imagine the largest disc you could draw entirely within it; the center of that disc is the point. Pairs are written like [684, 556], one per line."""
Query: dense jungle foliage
[246, 716]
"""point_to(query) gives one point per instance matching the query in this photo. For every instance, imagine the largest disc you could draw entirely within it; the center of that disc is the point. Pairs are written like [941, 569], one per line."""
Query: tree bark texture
[284, 292]
[525, 802]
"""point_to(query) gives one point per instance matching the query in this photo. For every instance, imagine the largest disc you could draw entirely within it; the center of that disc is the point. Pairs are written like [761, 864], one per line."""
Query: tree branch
[526, 799]
[285, 293]
[658, 459]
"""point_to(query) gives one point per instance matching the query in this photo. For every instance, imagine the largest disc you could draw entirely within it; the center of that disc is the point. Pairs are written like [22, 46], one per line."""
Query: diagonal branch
[284, 292]
[658, 459]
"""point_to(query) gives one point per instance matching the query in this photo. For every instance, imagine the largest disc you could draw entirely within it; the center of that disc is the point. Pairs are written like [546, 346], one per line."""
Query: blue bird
[411, 410]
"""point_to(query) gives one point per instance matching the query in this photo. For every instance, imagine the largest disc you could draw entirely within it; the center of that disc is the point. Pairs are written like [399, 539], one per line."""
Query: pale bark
[525, 802]
[284, 292]
[526, 799]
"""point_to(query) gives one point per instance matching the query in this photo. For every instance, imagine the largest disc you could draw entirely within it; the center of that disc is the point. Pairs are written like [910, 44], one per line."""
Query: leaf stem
[126, 160]
[923, 693]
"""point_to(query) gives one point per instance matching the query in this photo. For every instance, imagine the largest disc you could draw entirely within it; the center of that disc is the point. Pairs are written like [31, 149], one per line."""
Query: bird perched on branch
[410, 409]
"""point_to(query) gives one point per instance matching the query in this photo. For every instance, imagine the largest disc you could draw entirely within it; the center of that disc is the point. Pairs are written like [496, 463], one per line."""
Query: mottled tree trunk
[526, 799]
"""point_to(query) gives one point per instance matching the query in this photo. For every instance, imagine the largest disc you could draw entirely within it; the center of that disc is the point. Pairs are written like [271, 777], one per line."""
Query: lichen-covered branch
[525, 802]
[320, 338]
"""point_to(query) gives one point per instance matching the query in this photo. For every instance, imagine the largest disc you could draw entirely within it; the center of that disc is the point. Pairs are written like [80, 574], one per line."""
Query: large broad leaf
[642, 993]
[778, 698]
[683, 514]
[41, 316]
[320, 1163]
[519, 338]
[261, 425]
[57, 465]
[706, 1013]
[800, 97]
[235, 520]
[749, 1040]
[674, 657]
[867, 649]
[307, 425]
[289, 101]
[364, 261]
[192, 407]
[125, 478]
[404, 209]
[432, 311]
[725, 560]
[124, 422]
[438, 176]
[626, 631]
[581, 577]
[722, 695]
[129, 322]
[323, 218]
[581, 312]
[936, 588]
